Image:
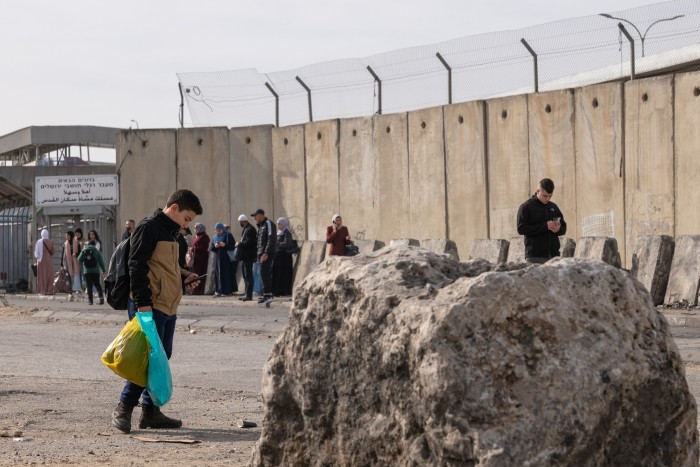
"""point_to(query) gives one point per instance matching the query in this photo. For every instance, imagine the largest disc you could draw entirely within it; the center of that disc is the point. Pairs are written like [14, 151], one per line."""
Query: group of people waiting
[81, 262]
[262, 251]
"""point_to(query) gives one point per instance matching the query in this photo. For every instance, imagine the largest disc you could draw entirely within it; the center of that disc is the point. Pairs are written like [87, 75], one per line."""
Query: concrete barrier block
[404, 241]
[567, 247]
[441, 246]
[685, 271]
[312, 253]
[368, 246]
[493, 250]
[651, 264]
[600, 248]
[516, 250]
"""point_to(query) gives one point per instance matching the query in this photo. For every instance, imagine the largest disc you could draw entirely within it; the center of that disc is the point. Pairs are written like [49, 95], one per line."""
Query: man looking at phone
[541, 222]
[156, 280]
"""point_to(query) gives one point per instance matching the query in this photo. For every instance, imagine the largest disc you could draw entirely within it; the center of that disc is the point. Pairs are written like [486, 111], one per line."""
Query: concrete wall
[358, 204]
[322, 186]
[624, 164]
[552, 153]
[599, 172]
[289, 177]
[391, 176]
[203, 167]
[426, 173]
[687, 149]
[465, 159]
[649, 197]
[147, 172]
[250, 171]
[508, 163]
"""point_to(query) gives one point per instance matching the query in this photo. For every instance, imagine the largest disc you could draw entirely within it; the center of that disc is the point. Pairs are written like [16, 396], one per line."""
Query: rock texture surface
[406, 358]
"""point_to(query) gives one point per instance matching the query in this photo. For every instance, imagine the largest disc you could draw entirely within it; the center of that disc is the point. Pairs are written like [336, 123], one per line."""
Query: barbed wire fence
[558, 55]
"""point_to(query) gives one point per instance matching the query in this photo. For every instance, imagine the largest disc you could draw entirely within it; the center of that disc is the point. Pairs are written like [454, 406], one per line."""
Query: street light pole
[641, 36]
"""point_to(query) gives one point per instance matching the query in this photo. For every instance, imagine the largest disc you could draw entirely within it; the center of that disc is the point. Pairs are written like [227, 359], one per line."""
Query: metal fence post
[277, 104]
[629, 38]
[308, 92]
[534, 57]
[449, 77]
[379, 88]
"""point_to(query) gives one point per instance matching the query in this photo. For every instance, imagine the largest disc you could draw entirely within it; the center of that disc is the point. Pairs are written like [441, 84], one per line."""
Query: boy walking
[156, 285]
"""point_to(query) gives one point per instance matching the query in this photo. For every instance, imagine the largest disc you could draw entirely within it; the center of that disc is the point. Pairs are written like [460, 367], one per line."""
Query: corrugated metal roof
[50, 138]
[11, 191]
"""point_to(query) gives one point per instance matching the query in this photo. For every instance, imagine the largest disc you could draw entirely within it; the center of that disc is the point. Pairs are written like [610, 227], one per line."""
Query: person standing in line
[92, 235]
[81, 243]
[200, 250]
[43, 252]
[234, 260]
[283, 267]
[247, 253]
[156, 286]
[128, 229]
[221, 244]
[267, 248]
[70, 246]
[337, 236]
[541, 222]
[93, 264]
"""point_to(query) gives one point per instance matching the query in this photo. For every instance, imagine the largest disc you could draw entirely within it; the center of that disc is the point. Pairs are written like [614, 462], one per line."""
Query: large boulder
[408, 358]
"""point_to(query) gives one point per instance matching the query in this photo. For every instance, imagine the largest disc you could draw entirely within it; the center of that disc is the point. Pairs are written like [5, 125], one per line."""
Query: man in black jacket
[541, 222]
[247, 252]
[156, 280]
[267, 248]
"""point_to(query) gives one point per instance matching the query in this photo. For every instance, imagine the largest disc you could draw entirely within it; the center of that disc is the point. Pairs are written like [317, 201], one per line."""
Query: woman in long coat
[43, 253]
[283, 267]
[200, 249]
[70, 259]
[221, 244]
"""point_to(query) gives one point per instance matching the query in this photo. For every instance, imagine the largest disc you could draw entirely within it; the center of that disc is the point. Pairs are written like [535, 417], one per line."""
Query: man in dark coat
[541, 222]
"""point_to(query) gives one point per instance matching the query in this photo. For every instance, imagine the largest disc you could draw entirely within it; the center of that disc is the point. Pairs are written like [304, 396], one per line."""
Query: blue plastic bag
[160, 380]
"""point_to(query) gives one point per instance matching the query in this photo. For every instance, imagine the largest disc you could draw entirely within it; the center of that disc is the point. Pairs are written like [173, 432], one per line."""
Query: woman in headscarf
[43, 252]
[70, 246]
[283, 267]
[337, 236]
[221, 244]
[200, 250]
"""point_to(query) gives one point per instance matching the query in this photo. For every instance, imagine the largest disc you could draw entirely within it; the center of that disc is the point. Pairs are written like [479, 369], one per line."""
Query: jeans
[93, 280]
[165, 325]
[266, 275]
[248, 278]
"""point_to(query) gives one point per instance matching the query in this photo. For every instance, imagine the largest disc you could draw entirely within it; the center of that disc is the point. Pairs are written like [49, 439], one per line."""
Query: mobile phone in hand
[188, 282]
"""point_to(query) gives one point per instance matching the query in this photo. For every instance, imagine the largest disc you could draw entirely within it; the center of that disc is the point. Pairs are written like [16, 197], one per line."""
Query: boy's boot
[152, 417]
[121, 417]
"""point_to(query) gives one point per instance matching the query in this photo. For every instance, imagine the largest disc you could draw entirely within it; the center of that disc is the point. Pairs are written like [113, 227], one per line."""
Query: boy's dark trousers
[93, 280]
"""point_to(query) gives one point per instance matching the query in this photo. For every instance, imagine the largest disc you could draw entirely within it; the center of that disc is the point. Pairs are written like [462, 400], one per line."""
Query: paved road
[199, 313]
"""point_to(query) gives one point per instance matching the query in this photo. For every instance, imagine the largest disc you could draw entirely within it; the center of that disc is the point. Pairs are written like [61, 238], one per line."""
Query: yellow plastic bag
[127, 355]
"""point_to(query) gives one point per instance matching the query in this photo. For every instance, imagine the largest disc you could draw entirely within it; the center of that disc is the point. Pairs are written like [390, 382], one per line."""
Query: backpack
[89, 259]
[117, 280]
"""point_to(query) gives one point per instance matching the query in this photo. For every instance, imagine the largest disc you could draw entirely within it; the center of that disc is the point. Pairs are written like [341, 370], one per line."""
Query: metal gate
[15, 225]
[57, 225]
